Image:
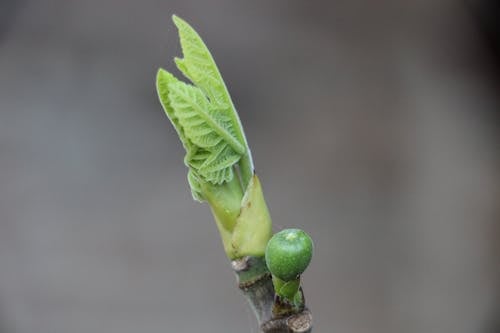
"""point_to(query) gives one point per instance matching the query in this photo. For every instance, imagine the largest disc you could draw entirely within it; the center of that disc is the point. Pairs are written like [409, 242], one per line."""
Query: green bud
[288, 254]
[243, 219]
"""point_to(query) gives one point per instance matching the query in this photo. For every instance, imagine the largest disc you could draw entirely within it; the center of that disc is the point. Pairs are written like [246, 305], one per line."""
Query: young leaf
[163, 79]
[204, 117]
[202, 124]
[209, 127]
[206, 129]
[199, 66]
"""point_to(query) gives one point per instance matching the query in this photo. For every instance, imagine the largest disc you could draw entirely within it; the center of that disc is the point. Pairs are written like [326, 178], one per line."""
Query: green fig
[288, 253]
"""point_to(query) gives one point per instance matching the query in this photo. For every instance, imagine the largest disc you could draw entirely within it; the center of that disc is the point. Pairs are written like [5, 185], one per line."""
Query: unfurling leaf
[202, 114]
[202, 123]
[220, 164]
[199, 66]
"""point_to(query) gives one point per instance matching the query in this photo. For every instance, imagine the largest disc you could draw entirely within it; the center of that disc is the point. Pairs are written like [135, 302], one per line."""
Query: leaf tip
[159, 73]
[178, 21]
[162, 79]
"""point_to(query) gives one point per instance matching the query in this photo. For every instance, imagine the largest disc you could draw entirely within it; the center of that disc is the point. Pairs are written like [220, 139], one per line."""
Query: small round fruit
[288, 253]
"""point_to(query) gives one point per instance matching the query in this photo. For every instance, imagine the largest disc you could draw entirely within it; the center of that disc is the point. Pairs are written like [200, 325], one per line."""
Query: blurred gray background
[373, 124]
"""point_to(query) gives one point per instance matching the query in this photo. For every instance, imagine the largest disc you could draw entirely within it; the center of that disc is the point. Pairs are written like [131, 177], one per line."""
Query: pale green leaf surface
[191, 108]
[163, 79]
[194, 183]
[219, 165]
[206, 129]
[199, 66]
[203, 115]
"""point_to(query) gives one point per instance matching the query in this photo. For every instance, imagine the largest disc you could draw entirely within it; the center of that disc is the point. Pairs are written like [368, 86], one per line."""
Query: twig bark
[255, 282]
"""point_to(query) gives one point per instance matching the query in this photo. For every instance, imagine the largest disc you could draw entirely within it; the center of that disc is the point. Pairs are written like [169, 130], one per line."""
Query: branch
[255, 282]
